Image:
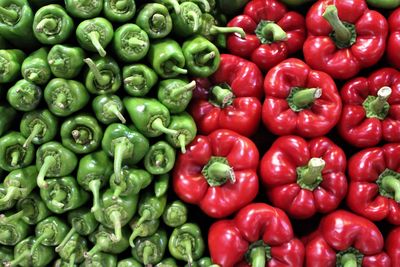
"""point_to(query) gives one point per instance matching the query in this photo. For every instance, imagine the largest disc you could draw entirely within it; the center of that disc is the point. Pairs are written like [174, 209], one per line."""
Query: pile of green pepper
[92, 110]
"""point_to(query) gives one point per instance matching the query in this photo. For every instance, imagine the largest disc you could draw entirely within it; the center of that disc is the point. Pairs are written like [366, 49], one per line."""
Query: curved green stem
[12, 218]
[158, 125]
[216, 30]
[72, 260]
[179, 70]
[15, 157]
[120, 149]
[188, 250]
[196, 20]
[10, 14]
[342, 34]
[46, 234]
[222, 97]
[258, 258]
[61, 100]
[273, 32]
[379, 103]
[18, 259]
[48, 162]
[176, 92]
[147, 252]
[133, 41]
[182, 142]
[146, 215]
[204, 59]
[349, 260]
[113, 108]
[94, 187]
[12, 193]
[115, 217]
[313, 171]
[65, 240]
[135, 233]
[392, 185]
[134, 80]
[101, 79]
[49, 23]
[94, 37]
[38, 128]
[305, 97]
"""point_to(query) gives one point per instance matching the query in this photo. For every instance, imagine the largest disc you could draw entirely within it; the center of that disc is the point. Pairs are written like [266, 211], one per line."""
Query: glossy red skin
[393, 246]
[363, 194]
[341, 230]
[315, 121]
[354, 126]
[278, 173]
[393, 43]
[191, 186]
[320, 51]
[229, 240]
[244, 115]
[266, 56]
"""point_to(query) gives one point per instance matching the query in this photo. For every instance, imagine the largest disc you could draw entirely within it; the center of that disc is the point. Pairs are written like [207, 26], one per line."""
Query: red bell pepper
[344, 36]
[230, 99]
[393, 45]
[300, 100]
[218, 173]
[374, 189]
[304, 177]
[393, 246]
[345, 239]
[371, 109]
[258, 236]
[272, 33]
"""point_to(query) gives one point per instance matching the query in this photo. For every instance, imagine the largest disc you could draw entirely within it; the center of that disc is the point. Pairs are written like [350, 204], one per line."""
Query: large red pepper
[371, 109]
[393, 246]
[345, 239]
[258, 236]
[299, 100]
[344, 36]
[374, 189]
[304, 177]
[230, 98]
[218, 173]
[393, 45]
[272, 33]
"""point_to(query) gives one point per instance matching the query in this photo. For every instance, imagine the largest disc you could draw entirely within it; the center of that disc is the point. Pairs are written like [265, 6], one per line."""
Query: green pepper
[54, 160]
[6, 254]
[132, 181]
[150, 249]
[185, 125]
[138, 79]
[160, 158]
[203, 262]
[13, 154]
[147, 228]
[82, 221]
[84, 9]
[94, 172]
[23, 256]
[168, 262]
[231, 7]
[129, 262]
[186, 243]
[108, 109]
[175, 94]
[187, 22]
[171, 5]
[126, 145]
[209, 28]
[103, 76]
[10, 63]
[104, 242]
[205, 6]
[9, 204]
[119, 10]
[175, 214]
[73, 250]
[12, 230]
[64, 97]
[66, 61]
[38, 127]
[32, 209]
[35, 67]
[7, 116]
[161, 185]
[166, 58]
[155, 20]
[130, 42]
[94, 35]
[63, 194]
[81, 134]
[24, 95]
[100, 259]
[19, 184]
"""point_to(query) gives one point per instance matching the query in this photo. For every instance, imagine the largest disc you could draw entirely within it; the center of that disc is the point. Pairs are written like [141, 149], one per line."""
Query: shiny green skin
[106, 66]
[161, 185]
[112, 13]
[35, 67]
[232, 7]
[125, 51]
[41, 256]
[34, 209]
[145, 16]
[7, 116]
[175, 214]
[54, 228]
[158, 242]
[152, 205]
[200, 3]
[100, 259]
[130, 262]
[13, 142]
[183, 25]
[6, 254]
[101, 107]
[147, 228]
[170, 95]
[64, 97]
[160, 158]
[16, 229]
[24, 95]
[85, 144]
[102, 238]
[22, 180]
[84, 9]
[66, 61]
[11, 63]
[148, 75]
[184, 124]
[295, 3]
[100, 25]
[132, 181]
[82, 220]
[44, 118]
[8, 204]
[75, 245]
[168, 262]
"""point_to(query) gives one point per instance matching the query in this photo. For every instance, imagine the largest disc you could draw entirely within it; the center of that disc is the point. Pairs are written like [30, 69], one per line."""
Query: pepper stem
[221, 97]
[12, 218]
[115, 218]
[313, 171]
[257, 256]
[205, 3]
[72, 260]
[147, 252]
[203, 59]
[349, 260]
[15, 157]
[120, 150]
[133, 41]
[146, 215]
[179, 70]
[48, 23]
[158, 125]
[58, 196]
[273, 32]
[57, 62]
[378, 105]
[135, 233]
[121, 4]
[134, 80]
[182, 142]
[112, 108]
[61, 101]
[46, 234]
[188, 251]
[18, 259]
[11, 15]
[94, 187]
[33, 76]
[392, 185]
[175, 5]
[94, 37]
[216, 30]
[305, 97]
[65, 240]
[158, 22]
[342, 34]
[35, 131]
[101, 79]
[12, 193]
[176, 92]
[48, 162]
[221, 172]
[196, 20]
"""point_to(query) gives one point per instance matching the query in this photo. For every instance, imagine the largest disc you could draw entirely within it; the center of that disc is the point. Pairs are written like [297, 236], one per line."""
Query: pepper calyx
[377, 106]
[389, 184]
[349, 257]
[258, 254]
[303, 98]
[217, 171]
[269, 32]
[310, 176]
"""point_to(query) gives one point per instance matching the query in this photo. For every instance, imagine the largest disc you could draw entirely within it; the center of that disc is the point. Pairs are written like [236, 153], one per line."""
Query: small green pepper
[175, 94]
[155, 20]
[206, 6]
[32, 209]
[168, 262]
[66, 61]
[185, 125]
[160, 158]
[12, 230]
[13, 154]
[81, 134]
[10, 63]
[7, 116]
[130, 43]
[82, 221]
[161, 185]
[6, 254]
[132, 181]
[9, 204]
[73, 250]
[24, 95]
[100, 259]
[63, 194]
[138, 79]
[175, 214]
[186, 243]
[104, 242]
[103, 76]
[166, 58]
[151, 249]
[38, 127]
[188, 21]
[171, 5]
[35, 67]
[209, 28]
[64, 97]
[147, 228]
[203, 262]
[84, 9]
[94, 35]
[108, 109]
[54, 160]
[129, 262]
[119, 10]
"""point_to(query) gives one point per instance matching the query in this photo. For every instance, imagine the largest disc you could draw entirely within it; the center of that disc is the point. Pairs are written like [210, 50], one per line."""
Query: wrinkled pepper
[100, 259]
[13, 154]
[86, 9]
[104, 242]
[161, 184]
[155, 20]
[50, 232]
[73, 250]
[151, 249]
[35, 67]
[146, 228]
[175, 214]
[13, 229]
[187, 22]
[131, 181]
[130, 43]
[31, 209]
[119, 11]
[66, 61]
[160, 158]
[186, 127]
[108, 109]
[24, 95]
[175, 94]
[11, 63]
[138, 79]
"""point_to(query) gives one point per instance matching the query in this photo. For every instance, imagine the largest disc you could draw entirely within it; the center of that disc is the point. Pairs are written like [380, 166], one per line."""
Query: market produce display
[200, 133]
